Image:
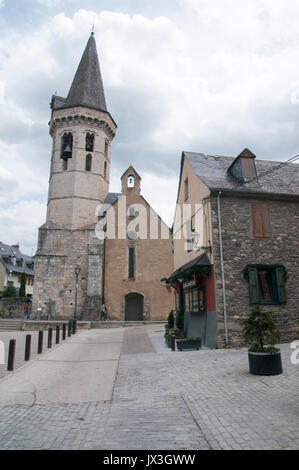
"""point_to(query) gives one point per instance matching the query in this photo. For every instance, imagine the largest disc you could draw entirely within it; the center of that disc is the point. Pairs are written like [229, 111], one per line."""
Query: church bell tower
[82, 131]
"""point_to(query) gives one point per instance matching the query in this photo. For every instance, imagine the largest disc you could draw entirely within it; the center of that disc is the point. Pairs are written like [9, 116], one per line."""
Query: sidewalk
[122, 389]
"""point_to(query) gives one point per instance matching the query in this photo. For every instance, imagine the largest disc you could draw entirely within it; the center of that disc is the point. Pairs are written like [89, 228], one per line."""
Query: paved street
[122, 389]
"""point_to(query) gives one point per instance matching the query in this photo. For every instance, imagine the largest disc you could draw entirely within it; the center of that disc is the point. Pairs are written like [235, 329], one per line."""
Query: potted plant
[167, 337]
[260, 332]
[188, 343]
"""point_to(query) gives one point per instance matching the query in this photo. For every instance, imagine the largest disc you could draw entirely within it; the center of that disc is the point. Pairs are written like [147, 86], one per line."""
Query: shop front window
[194, 301]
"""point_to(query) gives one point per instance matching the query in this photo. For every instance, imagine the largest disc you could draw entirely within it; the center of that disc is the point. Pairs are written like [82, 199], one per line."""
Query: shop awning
[201, 264]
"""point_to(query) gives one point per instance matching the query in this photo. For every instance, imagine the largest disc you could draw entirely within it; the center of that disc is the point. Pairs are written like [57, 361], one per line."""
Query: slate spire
[87, 87]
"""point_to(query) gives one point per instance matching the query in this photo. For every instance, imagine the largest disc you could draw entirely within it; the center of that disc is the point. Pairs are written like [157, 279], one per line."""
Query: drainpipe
[222, 268]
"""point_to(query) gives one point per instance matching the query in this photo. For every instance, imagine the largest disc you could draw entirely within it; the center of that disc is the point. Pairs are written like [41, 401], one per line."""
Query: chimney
[243, 167]
[16, 246]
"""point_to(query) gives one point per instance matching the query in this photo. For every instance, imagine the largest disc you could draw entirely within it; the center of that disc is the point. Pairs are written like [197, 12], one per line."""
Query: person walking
[103, 313]
[27, 309]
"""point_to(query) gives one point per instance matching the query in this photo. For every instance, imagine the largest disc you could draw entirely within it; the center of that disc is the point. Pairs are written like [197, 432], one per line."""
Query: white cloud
[51, 3]
[218, 80]
[2, 3]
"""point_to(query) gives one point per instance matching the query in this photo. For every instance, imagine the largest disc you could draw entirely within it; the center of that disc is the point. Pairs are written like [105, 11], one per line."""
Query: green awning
[201, 264]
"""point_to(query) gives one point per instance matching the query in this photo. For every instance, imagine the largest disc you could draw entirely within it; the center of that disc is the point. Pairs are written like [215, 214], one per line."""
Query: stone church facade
[82, 131]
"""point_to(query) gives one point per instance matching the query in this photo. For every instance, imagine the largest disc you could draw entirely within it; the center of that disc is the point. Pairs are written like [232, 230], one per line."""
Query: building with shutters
[124, 276]
[241, 248]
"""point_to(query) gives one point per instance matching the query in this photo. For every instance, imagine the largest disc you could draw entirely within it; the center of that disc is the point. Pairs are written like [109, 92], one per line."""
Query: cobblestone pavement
[169, 400]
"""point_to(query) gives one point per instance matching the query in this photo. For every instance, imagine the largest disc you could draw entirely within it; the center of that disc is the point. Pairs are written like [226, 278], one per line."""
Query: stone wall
[241, 249]
[12, 307]
[59, 251]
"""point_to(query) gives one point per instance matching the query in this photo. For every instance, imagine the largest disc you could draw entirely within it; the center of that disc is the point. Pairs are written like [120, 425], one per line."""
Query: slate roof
[212, 170]
[194, 265]
[11, 251]
[111, 198]
[87, 87]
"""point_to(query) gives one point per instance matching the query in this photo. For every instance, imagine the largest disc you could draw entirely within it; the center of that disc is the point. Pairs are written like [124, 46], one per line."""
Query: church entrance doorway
[134, 307]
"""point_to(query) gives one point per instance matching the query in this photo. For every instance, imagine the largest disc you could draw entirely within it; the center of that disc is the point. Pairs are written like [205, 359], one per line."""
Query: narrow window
[64, 164]
[186, 189]
[131, 262]
[105, 170]
[261, 220]
[131, 212]
[88, 163]
[106, 148]
[89, 144]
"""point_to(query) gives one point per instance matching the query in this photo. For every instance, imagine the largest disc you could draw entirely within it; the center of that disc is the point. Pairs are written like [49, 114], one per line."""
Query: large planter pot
[184, 344]
[265, 363]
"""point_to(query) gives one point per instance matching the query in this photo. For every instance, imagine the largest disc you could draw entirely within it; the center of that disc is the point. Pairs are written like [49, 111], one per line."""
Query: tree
[10, 291]
[22, 290]
[179, 320]
[259, 329]
[170, 320]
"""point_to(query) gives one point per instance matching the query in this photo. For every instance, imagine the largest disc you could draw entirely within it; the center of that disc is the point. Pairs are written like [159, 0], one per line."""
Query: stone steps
[11, 325]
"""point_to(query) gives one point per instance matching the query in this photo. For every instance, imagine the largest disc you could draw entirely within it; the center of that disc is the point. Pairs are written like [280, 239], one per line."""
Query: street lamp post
[77, 272]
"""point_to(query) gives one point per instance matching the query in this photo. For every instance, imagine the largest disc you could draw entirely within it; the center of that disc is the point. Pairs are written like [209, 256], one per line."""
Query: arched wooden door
[134, 307]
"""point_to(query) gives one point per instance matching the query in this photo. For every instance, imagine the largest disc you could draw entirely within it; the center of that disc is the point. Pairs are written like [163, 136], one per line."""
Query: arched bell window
[88, 162]
[89, 144]
[131, 181]
[66, 147]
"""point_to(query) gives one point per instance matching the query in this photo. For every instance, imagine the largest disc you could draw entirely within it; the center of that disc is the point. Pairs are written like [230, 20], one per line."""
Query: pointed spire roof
[87, 87]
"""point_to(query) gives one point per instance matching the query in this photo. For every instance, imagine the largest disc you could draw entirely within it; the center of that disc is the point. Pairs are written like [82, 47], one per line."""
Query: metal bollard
[40, 342]
[63, 332]
[74, 327]
[69, 332]
[11, 355]
[27, 348]
[172, 341]
[57, 334]
[50, 334]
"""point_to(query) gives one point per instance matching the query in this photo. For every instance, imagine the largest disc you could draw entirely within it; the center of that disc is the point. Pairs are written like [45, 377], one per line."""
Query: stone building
[13, 263]
[82, 130]
[241, 248]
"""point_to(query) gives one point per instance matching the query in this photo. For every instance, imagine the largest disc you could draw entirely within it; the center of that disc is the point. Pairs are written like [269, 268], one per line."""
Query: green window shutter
[281, 288]
[253, 285]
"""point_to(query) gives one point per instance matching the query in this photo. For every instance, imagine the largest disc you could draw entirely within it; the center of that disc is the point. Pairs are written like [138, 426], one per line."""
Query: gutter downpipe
[222, 268]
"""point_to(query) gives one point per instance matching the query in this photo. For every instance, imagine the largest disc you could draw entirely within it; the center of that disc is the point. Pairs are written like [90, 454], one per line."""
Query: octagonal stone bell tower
[82, 131]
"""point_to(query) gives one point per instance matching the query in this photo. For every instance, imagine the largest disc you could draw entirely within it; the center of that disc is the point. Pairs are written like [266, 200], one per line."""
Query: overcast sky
[208, 76]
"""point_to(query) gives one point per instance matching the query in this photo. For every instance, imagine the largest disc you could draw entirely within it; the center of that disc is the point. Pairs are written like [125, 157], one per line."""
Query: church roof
[87, 87]
[111, 198]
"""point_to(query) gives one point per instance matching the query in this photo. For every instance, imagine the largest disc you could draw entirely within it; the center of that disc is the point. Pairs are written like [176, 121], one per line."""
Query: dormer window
[243, 167]
[131, 182]
[89, 144]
